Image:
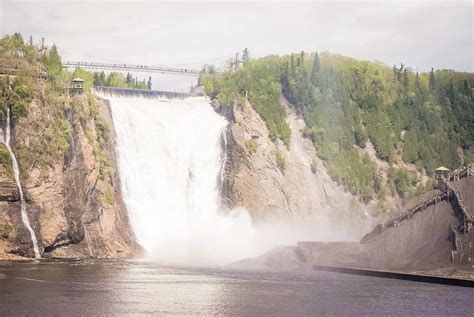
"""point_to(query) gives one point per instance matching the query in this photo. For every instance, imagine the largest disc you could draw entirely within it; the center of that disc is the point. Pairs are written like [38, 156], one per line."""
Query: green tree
[315, 70]
[245, 55]
[53, 62]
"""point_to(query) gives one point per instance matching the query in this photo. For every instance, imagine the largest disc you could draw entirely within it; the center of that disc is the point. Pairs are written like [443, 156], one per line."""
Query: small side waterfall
[16, 172]
[224, 155]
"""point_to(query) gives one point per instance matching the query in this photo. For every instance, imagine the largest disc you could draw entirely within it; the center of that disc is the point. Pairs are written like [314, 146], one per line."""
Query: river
[134, 288]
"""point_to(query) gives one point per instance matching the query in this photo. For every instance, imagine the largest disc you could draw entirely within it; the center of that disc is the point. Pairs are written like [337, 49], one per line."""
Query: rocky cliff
[74, 203]
[276, 182]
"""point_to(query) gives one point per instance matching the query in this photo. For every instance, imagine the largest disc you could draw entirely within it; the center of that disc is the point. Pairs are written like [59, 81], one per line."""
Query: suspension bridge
[132, 68]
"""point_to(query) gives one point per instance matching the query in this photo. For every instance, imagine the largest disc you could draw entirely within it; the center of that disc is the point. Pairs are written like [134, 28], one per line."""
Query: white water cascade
[170, 158]
[16, 172]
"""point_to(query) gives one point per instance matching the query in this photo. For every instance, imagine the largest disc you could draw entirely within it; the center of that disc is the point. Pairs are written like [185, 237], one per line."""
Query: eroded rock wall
[74, 209]
[276, 182]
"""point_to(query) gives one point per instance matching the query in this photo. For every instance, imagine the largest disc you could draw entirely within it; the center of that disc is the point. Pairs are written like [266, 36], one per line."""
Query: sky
[419, 33]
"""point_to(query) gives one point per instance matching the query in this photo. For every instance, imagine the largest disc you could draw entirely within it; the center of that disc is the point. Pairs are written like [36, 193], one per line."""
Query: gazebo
[77, 86]
[441, 173]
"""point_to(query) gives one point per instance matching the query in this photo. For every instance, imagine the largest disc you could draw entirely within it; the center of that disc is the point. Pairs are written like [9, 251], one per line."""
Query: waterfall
[170, 159]
[16, 172]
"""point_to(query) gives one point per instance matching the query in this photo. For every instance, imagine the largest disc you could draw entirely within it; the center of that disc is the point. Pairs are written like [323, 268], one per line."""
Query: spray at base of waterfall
[170, 154]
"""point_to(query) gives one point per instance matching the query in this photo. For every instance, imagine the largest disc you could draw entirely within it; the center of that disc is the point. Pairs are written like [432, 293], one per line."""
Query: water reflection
[124, 288]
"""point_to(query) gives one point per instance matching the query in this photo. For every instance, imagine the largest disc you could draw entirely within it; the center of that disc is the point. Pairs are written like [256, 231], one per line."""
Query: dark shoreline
[409, 276]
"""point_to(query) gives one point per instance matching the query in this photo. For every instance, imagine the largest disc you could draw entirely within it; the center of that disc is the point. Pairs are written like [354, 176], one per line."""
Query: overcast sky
[421, 34]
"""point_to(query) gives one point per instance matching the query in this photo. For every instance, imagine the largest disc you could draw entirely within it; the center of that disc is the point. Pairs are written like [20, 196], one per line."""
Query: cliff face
[276, 182]
[74, 206]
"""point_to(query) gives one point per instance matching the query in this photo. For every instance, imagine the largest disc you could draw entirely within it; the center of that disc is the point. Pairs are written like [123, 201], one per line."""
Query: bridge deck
[132, 68]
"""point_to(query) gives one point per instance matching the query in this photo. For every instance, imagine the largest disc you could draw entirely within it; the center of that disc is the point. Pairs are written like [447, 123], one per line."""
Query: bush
[280, 161]
[7, 229]
[314, 166]
[5, 160]
[401, 181]
[109, 196]
[251, 146]
[360, 136]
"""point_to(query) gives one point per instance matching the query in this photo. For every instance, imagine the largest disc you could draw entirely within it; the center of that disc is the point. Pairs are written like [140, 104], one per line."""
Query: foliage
[115, 79]
[280, 161]
[314, 165]
[109, 196]
[47, 130]
[401, 181]
[245, 55]
[258, 81]
[5, 161]
[16, 95]
[52, 62]
[44, 137]
[98, 134]
[7, 229]
[346, 102]
[251, 146]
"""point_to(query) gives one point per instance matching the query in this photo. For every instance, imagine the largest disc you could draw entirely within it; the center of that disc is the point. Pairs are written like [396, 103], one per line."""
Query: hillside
[380, 131]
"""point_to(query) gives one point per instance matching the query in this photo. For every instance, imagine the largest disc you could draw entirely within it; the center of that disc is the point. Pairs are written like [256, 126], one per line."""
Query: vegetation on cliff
[425, 119]
[45, 137]
[258, 81]
[5, 161]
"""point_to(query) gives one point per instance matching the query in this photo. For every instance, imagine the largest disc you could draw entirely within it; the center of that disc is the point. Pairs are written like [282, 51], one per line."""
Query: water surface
[124, 288]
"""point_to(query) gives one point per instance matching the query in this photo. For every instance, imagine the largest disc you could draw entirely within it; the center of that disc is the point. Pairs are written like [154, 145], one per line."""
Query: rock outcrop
[285, 183]
[75, 210]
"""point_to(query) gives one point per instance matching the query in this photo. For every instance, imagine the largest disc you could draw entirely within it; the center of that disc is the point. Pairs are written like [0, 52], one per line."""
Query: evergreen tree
[245, 56]
[432, 80]
[53, 61]
[405, 81]
[96, 79]
[102, 78]
[292, 65]
[315, 70]
[129, 80]
[467, 89]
